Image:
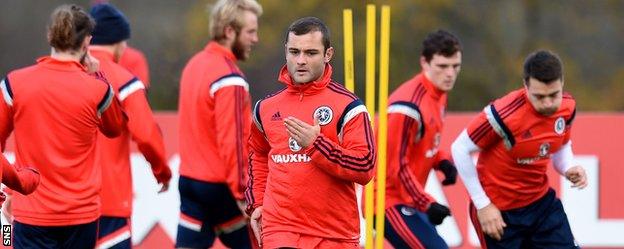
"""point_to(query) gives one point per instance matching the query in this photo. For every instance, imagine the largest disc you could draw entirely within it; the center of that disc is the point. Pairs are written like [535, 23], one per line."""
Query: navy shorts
[114, 233]
[407, 227]
[208, 210]
[541, 224]
[66, 237]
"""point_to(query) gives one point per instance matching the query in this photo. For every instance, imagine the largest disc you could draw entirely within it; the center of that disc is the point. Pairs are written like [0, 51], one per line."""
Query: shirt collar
[215, 47]
[64, 65]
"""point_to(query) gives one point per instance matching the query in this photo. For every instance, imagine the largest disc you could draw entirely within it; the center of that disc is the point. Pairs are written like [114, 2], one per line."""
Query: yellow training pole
[347, 22]
[370, 103]
[384, 61]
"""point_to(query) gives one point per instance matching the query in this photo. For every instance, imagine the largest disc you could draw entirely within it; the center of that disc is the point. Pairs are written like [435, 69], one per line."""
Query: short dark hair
[544, 66]
[440, 42]
[309, 24]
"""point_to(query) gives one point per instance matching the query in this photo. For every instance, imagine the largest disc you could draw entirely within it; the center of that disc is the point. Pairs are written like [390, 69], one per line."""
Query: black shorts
[407, 227]
[114, 233]
[541, 224]
[67, 237]
[209, 210]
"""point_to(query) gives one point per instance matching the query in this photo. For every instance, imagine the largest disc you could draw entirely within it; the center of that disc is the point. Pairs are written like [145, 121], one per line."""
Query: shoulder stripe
[411, 110]
[228, 80]
[100, 76]
[415, 92]
[480, 132]
[510, 109]
[129, 88]
[353, 109]
[106, 100]
[511, 104]
[256, 116]
[420, 93]
[499, 126]
[275, 93]
[505, 112]
[341, 90]
[6, 91]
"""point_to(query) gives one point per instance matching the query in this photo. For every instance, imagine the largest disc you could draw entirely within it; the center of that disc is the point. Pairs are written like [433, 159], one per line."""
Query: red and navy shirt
[516, 145]
[299, 188]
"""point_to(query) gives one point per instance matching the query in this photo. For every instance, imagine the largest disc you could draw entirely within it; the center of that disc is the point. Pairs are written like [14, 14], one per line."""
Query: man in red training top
[113, 155]
[214, 118]
[56, 110]
[517, 137]
[311, 143]
[416, 109]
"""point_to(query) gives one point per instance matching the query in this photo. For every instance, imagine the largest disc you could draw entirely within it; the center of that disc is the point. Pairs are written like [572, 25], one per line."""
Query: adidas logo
[527, 134]
[276, 116]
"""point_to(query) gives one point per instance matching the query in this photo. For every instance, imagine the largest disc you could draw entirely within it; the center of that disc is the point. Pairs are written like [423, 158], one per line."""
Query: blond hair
[230, 13]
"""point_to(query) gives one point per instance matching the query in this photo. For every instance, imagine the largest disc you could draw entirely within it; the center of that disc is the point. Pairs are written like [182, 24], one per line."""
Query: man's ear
[229, 32]
[86, 42]
[423, 62]
[329, 53]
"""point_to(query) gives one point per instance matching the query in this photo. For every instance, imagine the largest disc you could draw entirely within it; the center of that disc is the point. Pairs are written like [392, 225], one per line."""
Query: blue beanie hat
[111, 25]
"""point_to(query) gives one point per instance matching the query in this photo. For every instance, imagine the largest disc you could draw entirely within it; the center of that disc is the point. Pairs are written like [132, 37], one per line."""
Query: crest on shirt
[324, 114]
[293, 145]
[544, 149]
[560, 125]
[436, 144]
[408, 211]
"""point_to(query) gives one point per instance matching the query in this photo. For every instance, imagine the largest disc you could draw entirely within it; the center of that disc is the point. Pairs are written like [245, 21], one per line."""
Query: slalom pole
[370, 103]
[347, 21]
[384, 61]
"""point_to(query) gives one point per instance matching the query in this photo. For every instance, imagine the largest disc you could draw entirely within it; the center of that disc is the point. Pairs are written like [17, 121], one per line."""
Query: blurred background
[496, 35]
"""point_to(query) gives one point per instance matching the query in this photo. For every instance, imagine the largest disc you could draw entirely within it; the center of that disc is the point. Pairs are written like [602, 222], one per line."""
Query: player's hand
[302, 132]
[577, 176]
[6, 207]
[163, 176]
[256, 224]
[437, 212]
[91, 63]
[449, 170]
[164, 188]
[491, 221]
[242, 206]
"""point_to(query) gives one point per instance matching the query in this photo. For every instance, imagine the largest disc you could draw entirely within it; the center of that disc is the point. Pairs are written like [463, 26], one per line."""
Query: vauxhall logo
[290, 158]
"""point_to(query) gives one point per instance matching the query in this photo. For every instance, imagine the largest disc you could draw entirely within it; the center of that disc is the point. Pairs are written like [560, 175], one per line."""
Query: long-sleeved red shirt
[113, 154]
[415, 113]
[214, 118]
[516, 147]
[310, 191]
[56, 110]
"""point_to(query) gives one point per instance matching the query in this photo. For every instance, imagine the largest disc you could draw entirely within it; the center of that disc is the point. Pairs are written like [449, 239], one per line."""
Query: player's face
[306, 56]
[247, 37]
[545, 98]
[441, 70]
